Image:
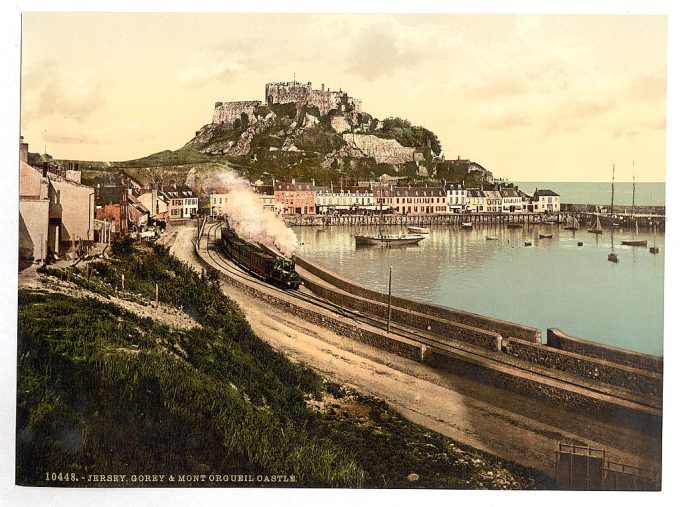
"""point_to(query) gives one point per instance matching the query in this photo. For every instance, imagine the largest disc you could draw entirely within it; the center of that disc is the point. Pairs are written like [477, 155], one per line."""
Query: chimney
[313, 182]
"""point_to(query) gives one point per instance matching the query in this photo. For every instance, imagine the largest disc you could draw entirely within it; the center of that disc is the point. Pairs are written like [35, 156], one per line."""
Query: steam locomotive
[259, 261]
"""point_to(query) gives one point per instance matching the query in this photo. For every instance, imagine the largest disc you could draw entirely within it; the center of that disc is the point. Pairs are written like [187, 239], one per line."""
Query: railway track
[427, 340]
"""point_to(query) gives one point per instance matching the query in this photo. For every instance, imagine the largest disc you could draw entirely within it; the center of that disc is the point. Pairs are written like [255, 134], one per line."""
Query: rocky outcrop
[387, 151]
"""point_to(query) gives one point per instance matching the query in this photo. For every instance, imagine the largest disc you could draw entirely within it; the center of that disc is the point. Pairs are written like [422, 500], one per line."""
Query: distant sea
[646, 194]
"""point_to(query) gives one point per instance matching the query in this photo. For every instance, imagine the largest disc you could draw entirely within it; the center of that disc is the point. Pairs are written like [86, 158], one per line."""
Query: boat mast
[633, 188]
[611, 209]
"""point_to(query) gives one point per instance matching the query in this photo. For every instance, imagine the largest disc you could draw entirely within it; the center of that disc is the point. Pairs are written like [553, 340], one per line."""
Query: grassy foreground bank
[104, 391]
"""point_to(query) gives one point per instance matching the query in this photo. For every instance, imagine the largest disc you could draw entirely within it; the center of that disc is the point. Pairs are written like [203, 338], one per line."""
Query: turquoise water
[553, 283]
[646, 194]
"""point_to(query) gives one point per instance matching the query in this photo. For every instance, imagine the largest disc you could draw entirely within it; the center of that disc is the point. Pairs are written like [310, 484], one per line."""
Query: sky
[529, 97]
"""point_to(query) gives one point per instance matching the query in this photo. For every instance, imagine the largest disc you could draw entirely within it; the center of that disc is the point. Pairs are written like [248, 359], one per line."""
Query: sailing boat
[387, 239]
[597, 226]
[573, 224]
[634, 242]
[612, 257]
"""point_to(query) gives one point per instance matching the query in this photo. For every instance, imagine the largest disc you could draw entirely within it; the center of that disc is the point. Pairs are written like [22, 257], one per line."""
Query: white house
[546, 201]
[456, 197]
[493, 202]
[476, 201]
[356, 198]
[512, 200]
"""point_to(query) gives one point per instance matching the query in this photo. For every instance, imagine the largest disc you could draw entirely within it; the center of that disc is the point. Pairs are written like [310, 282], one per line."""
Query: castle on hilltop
[324, 99]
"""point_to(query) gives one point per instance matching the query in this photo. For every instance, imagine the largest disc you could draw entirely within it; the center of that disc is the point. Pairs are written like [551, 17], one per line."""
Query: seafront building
[291, 198]
[512, 200]
[493, 201]
[354, 198]
[456, 197]
[545, 201]
[412, 200]
[475, 200]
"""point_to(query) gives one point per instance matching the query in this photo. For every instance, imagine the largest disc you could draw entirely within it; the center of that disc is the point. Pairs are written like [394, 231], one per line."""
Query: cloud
[506, 120]
[223, 71]
[496, 88]
[647, 88]
[376, 52]
[50, 90]
[61, 138]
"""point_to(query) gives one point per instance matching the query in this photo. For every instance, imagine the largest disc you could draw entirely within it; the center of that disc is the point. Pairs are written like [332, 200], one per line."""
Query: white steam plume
[248, 218]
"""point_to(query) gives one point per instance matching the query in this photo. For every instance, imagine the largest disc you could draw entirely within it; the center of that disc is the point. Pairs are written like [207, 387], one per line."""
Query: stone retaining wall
[447, 330]
[558, 340]
[633, 379]
[501, 327]
[596, 406]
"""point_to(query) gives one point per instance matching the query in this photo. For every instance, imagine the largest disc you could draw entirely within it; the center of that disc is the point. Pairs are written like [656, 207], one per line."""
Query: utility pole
[389, 301]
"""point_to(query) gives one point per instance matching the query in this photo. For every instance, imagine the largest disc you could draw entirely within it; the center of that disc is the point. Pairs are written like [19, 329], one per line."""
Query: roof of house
[282, 186]
[413, 192]
[545, 193]
[475, 192]
[178, 192]
[509, 192]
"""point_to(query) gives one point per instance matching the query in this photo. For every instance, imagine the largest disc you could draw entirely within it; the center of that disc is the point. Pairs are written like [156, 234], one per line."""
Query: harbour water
[552, 283]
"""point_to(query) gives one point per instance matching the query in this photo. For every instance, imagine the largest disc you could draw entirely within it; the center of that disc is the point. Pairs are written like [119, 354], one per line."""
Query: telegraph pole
[389, 301]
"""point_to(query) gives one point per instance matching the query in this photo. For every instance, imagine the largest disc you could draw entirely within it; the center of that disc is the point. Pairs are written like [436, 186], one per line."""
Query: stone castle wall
[324, 100]
[227, 112]
[387, 151]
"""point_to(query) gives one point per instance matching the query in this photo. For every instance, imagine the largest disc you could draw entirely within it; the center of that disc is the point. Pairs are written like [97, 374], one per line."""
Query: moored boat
[492, 238]
[545, 236]
[389, 239]
[597, 226]
[466, 225]
[418, 230]
[514, 225]
[634, 242]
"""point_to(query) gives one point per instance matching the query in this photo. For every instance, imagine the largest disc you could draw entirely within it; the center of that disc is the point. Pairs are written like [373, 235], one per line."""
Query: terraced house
[182, 202]
[412, 200]
[291, 198]
[512, 200]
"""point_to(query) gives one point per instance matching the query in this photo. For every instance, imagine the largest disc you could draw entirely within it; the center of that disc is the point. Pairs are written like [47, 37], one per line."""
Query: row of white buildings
[291, 198]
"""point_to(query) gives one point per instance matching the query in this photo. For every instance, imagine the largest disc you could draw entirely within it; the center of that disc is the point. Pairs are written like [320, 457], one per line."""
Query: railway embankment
[532, 379]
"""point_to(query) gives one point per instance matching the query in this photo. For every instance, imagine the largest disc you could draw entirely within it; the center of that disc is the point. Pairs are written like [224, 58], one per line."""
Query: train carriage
[259, 261]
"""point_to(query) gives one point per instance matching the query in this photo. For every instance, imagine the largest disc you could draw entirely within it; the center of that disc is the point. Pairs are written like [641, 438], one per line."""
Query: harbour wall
[559, 340]
[601, 370]
[504, 328]
[445, 329]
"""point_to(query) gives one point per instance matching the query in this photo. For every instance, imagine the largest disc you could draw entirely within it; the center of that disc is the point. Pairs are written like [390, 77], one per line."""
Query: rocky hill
[297, 132]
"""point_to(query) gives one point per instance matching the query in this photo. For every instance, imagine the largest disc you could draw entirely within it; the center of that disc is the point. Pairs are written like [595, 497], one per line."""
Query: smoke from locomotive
[249, 220]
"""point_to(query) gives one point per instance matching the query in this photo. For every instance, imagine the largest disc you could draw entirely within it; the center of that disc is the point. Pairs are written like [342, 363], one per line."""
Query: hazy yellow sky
[530, 97]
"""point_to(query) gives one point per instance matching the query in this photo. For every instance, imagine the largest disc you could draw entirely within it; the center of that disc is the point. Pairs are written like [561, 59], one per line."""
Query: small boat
[612, 257]
[545, 236]
[634, 242]
[466, 225]
[389, 239]
[527, 243]
[418, 230]
[654, 249]
[580, 243]
[597, 226]
[514, 225]
[492, 238]
[549, 222]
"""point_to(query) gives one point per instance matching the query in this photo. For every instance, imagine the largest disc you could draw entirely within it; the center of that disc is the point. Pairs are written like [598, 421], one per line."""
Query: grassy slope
[101, 390]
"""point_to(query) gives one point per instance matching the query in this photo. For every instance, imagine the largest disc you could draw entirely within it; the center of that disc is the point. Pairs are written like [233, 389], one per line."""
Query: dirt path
[505, 424]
